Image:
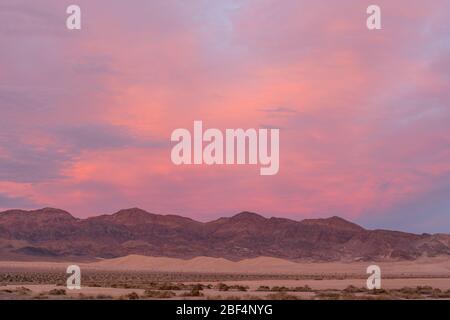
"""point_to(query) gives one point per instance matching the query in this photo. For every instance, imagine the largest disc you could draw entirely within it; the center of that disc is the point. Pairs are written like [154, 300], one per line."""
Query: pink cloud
[366, 127]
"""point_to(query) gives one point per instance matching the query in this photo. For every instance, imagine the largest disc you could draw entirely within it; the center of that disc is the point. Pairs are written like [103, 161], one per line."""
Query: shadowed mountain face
[52, 233]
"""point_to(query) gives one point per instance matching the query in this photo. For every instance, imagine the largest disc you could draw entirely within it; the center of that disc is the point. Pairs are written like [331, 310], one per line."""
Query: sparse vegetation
[281, 296]
[225, 287]
[155, 294]
[195, 292]
[57, 292]
[353, 289]
[17, 284]
[130, 296]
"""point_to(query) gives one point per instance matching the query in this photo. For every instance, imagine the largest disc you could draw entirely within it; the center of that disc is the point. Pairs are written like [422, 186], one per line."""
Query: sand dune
[439, 266]
[267, 265]
[198, 264]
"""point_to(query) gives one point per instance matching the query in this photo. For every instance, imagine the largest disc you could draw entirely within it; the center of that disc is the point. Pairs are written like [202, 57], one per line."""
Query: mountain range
[54, 234]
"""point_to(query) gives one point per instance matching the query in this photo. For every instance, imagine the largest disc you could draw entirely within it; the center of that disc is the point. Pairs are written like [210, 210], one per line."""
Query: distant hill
[55, 234]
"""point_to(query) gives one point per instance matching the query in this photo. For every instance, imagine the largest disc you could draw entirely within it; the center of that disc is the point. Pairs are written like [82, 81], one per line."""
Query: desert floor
[137, 277]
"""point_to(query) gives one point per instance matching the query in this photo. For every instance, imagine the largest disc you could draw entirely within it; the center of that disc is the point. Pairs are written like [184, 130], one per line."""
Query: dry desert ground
[139, 277]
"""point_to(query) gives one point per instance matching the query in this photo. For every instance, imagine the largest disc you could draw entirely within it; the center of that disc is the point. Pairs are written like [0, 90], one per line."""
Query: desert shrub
[166, 294]
[348, 296]
[424, 290]
[281, 296]
[378, 291]
[410, 296]
[353, 289]
[407, 293]
[95, 285]
[82, 296]
[197, 287]
[436, 292]
[407, 290]
[439, 294]
[169, 286]
[57, 292]
[279, 289]
[240, 288]
[132, 296]
[195, 292]
[7, 291]
[263, 288]
[223, 287]
[328, 296]
[306, 288]
[23, 291]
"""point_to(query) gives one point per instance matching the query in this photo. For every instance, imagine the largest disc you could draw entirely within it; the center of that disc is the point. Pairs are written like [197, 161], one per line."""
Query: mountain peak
[131, 212]
[130, 216]
[50, 210]
[245, 215]
[335, 222]
[54, 232]
[43, 215]
[137, 216]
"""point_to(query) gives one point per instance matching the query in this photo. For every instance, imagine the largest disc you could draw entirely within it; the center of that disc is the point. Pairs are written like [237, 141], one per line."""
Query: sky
[86, 116]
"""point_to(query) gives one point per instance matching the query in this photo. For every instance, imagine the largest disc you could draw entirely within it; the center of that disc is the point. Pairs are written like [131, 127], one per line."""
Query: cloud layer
[86, 116]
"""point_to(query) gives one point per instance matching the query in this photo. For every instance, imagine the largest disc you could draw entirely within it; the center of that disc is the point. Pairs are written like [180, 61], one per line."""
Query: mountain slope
[54, 233]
